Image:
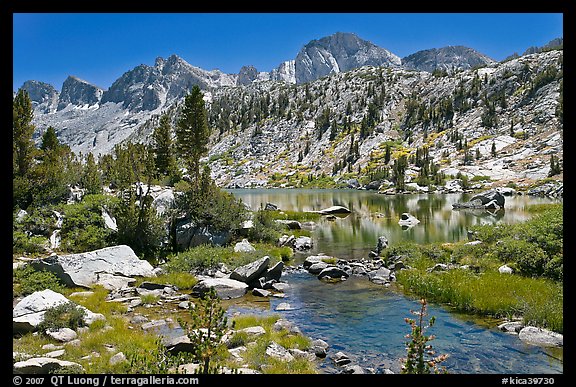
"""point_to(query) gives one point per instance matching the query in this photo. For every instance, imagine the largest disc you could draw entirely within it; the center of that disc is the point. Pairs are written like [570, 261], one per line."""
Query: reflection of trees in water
[483, 213]
[375, 214]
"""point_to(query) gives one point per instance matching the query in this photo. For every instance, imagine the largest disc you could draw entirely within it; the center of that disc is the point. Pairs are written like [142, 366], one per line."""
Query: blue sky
[100, 47]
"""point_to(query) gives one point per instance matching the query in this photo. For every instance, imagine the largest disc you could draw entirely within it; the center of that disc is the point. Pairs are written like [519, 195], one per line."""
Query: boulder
[163, 201]
[178, 344]
[253, 332]
[303, 243]
[286, 240]
[334, 210]
[492, 199]
[244, 247]
[226, 288]
[319, 347]
[43, 365]
[541, 337]
[291, 224]
[85, 269]
[511, 326]
[275, 272]
[381, 245]
[333, 272]
[190, 235]
[271, 207]
[407, 219]
[380, 276]
[317, 267]
[277, 351]
[312, 259]
[284, 306]
[29, 312]
[340, 358]
[62, 335]
[252, 271]
[260, 292]
[283, 324]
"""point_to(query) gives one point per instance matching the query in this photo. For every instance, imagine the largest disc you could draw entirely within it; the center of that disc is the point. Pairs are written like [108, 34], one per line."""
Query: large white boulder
[29, 313]
[94, 267]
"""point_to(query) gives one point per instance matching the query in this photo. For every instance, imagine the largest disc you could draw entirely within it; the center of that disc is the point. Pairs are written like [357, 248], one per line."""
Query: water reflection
[373, 215]
[366, 321]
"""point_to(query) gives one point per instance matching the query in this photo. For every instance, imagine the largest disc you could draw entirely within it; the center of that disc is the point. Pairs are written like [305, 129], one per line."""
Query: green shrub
[22, 243]
[83, 228]
[546, 229]
[66, 315]
[199, 257]
[27, 281]
[265, 229]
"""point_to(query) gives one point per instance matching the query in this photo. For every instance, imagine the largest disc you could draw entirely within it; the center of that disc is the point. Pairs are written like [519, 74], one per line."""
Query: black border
[486, 6]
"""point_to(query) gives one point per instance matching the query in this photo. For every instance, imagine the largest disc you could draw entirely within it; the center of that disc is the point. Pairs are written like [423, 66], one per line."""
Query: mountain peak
[78, 92]
[446, 58]
[341, 51]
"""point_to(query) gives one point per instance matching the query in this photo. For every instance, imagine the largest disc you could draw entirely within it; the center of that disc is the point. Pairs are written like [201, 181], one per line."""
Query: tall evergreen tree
[49, 140]
[163, 147]
[23, 148]
[91, 180]
[193, 132]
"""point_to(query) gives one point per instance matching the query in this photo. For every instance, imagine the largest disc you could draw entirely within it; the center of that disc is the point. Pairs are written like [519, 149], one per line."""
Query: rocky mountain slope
[446, 58]
[506, 115]
[333, 111]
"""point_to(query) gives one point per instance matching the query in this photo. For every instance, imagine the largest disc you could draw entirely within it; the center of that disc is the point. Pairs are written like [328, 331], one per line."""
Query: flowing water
[366, 321]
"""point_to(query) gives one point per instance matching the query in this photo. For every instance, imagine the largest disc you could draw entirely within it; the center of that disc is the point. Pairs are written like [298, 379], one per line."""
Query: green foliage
[265, 228]
[34, 244]
[193, 132]
[23, 148]
[162, 148]
[538, 300]
[139, 226]
[26, 281]
[97, 303]
[399, 172]
[83, 228]
[209, 206]
[128, 163]
[91, 179]
[65, 315]
[182, 280]
[156, 360]
[208, 325]
[255, 355]
[199, 257]
[420, 355]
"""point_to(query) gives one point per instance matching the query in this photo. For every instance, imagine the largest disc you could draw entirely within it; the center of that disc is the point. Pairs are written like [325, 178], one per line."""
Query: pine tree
[49, 140]
[493, 150]
[193, 132]
[91, 180]
[163, 147]
[23, 148]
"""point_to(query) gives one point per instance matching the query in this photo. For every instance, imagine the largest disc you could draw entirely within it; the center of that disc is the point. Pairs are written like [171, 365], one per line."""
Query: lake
[366, 321]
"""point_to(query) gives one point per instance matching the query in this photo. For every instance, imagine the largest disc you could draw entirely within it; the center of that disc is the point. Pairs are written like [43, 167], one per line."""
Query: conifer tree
[193, 132]
[23, 148]
[91, 180]
[163, 148]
